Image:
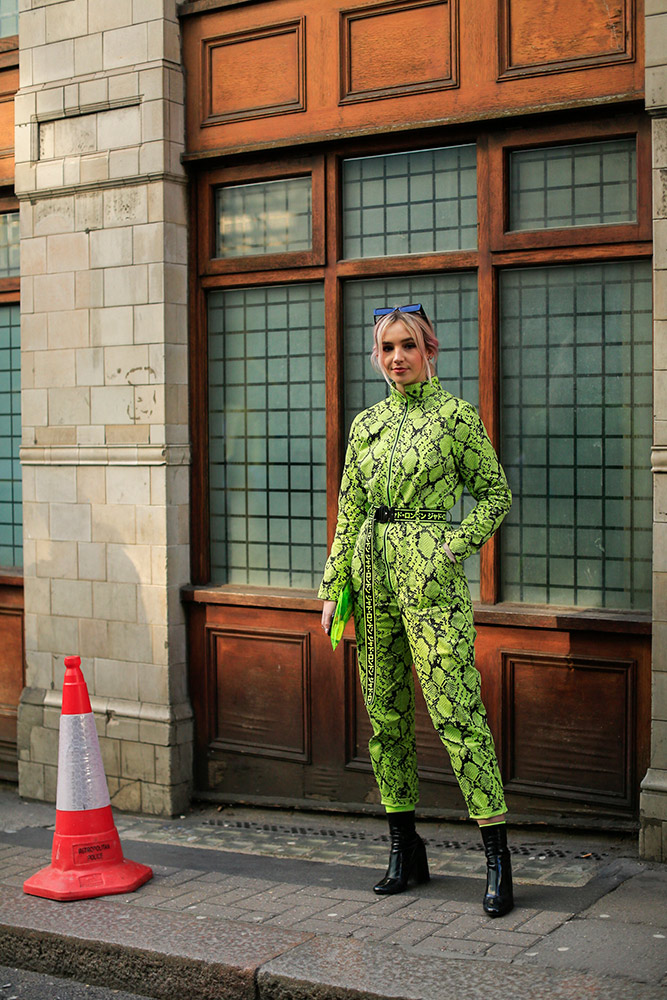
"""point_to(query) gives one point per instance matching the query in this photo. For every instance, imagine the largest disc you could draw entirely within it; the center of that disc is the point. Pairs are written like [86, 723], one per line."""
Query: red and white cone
[86, 859]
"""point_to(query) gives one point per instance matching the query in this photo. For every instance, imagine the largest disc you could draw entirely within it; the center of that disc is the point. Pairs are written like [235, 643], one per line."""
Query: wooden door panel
[569, 724]
[12, 677]
[280, 716]
[262, 691]
[423, 31]
[254, 73]
[563, 34]
[571, 705]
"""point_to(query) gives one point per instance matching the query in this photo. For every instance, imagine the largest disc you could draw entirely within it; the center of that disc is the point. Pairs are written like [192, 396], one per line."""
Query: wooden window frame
[502, 145]
[497, 249]
[9, 287]
[209, 264]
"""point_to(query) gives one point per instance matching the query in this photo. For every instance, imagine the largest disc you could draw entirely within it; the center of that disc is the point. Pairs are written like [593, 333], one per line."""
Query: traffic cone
[86, 859]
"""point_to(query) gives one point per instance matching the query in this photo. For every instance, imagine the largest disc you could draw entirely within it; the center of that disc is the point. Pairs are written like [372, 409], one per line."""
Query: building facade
[212, 199]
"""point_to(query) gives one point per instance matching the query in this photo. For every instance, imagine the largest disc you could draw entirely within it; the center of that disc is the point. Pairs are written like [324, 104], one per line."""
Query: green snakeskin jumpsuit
[408, 459]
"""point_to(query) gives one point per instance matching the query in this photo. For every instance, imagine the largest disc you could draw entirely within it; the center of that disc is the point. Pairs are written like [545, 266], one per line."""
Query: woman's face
[400, 356]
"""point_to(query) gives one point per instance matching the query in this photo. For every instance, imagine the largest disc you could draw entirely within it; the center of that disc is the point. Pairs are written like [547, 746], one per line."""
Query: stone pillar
[99, 133]
[653, 835]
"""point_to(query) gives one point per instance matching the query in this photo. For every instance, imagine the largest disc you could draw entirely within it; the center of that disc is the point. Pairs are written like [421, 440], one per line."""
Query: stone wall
[653, 837]
[99, 133]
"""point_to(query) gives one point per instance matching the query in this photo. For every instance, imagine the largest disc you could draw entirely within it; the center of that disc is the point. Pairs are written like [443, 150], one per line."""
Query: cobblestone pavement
[424, 925]
[364, 842]
[584, 902]
[426, 921]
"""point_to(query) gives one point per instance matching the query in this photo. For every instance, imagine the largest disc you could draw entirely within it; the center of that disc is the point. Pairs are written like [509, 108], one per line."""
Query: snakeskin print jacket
[417, 451]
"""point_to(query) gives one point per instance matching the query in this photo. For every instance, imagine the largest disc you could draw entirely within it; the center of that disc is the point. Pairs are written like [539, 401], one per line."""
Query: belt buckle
[384, 514]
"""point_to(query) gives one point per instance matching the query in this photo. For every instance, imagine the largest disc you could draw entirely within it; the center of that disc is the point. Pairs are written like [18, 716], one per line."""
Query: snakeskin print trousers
[421, 613]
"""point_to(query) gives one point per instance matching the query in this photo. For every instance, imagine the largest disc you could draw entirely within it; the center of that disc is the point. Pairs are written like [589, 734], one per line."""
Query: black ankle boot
[498, 898]
[407, 857]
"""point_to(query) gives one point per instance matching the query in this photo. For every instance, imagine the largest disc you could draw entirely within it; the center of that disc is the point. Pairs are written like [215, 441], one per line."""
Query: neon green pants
[422, 614]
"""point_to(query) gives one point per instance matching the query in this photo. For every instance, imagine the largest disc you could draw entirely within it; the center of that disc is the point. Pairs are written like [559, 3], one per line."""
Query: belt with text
[385, 515]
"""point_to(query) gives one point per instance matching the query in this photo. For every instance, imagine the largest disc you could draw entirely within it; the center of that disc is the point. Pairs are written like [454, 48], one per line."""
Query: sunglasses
[386, 310]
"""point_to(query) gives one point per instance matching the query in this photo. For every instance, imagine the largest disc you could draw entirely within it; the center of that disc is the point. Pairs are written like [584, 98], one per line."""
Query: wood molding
[553, 744]
[418, 54]
[560, 619]
[563, 35]
[586, 130]
[257, 59]
[12, 669]
[280, 169]
[269, 703]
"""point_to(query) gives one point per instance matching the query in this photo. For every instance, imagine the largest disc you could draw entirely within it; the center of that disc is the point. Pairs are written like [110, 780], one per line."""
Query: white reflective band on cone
[82, 783]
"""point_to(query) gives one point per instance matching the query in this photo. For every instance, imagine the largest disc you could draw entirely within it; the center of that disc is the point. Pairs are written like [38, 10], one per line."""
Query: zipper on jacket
[391, 459]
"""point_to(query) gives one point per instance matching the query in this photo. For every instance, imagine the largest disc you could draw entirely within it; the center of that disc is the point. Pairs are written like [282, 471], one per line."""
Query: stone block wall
[653, 835]
[105, 454]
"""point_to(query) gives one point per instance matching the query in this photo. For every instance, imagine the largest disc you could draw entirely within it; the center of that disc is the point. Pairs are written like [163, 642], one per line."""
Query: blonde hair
[420, 329]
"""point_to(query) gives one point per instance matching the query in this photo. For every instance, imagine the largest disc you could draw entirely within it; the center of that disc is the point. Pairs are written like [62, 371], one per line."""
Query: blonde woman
[407, 462]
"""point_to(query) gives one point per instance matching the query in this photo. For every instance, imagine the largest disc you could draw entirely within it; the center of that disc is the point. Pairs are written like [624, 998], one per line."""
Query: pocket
[452, 562]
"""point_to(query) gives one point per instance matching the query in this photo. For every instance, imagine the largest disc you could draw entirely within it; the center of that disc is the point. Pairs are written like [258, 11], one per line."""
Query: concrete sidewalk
[272, 905]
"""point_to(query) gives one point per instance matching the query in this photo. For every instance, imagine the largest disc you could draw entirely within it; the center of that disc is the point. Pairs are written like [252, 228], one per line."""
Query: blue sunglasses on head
[387, 310]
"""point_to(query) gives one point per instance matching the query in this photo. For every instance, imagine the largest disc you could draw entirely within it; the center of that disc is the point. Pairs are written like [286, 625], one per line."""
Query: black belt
[385, 515]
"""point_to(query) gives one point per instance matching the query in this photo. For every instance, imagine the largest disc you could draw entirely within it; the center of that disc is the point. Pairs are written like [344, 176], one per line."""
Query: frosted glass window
[267, 449]
[267, 217]
[9, 18]
[405, 203]
[9, 244]
[11, 520]
[450, 300]
[588, 184]
[576, 434]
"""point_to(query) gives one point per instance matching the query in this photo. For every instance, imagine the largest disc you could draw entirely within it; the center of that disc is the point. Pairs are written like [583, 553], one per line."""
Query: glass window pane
[576, 435]
[11, 519]
[404, 203]
[9, 243]
[268, 217]
[9, 18]
[267, 469]
[450, 300]
[588, 184]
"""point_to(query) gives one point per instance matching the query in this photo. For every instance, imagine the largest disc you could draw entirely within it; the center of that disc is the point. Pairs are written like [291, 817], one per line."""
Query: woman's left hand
[328, 609]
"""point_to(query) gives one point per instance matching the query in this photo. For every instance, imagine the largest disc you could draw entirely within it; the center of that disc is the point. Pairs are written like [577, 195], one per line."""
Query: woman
[408, 459]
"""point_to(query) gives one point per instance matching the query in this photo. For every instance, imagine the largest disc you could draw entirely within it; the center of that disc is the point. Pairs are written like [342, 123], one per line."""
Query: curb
[97, 942]
[229, 960]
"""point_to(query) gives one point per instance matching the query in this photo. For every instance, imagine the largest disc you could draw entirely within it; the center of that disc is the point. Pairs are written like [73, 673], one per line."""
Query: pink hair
[420, 329]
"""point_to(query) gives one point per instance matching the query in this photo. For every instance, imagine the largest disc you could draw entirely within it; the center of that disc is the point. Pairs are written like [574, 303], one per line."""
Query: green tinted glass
[588, 184]
[9, 18]
[576, 435]
[267, 217]
[405, 203]
[11, 521]
[450, 301]
[267, 466]
[9, 244]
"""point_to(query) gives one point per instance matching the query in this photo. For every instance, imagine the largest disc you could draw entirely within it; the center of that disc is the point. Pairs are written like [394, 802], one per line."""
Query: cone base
[53, 883]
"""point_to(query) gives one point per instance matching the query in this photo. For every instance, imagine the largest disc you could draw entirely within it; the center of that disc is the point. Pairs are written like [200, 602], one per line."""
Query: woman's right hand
[328, 609]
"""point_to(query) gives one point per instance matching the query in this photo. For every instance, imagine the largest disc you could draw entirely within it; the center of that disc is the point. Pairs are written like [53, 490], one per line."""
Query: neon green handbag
[341, 615]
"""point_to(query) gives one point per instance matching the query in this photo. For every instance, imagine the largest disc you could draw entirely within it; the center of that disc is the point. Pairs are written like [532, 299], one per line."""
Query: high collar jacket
[417, 450]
